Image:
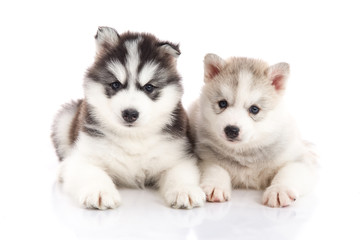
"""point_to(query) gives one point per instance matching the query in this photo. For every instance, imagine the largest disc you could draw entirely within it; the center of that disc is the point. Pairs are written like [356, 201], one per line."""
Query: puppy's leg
[88, 185]
[215, 181]
[180, 186]
[292, 181]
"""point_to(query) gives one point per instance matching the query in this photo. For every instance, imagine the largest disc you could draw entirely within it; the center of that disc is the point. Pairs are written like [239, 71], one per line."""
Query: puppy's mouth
[129, 125]
[233, 140]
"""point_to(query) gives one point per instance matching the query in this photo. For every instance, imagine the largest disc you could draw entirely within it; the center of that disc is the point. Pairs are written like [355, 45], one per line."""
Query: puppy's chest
[252, 168]
[257, 176]
[141, 158]
[252, 156]
[138, 151]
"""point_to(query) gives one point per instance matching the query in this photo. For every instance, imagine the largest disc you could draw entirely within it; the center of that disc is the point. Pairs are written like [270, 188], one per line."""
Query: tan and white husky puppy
[244, 135]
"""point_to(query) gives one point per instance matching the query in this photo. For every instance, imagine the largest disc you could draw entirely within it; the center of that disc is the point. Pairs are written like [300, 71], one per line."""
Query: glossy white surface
[46, 46]
[41, 210]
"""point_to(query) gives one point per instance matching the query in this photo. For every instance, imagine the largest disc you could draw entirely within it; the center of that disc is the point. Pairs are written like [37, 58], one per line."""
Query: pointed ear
[105, 38]
[213, 64]
[170, 48]
[278, 75]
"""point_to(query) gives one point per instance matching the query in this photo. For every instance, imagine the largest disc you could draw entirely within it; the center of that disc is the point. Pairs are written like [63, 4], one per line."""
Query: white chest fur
[132, 161]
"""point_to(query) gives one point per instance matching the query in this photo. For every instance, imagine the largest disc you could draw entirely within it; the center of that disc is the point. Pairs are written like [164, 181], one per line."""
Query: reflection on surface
[143, 215]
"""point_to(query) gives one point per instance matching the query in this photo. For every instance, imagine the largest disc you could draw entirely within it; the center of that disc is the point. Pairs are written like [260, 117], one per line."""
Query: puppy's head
[241, 97]
[133, 82]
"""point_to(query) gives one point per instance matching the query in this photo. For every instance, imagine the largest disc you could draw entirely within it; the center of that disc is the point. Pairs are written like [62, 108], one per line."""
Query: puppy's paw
[185, 198]
[216, 194]
[100, 198]
[279, 196]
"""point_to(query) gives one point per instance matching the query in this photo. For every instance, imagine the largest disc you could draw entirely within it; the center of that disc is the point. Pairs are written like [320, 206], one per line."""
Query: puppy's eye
[254, 109]
[149, 88]
[115, 85]
[223, 104]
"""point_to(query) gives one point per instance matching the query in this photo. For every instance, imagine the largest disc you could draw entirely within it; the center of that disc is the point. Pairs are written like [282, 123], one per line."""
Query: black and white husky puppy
[130, 129]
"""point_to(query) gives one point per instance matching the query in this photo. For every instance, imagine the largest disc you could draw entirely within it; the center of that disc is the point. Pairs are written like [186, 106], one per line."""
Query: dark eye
[149, 88]
[254, 109]
[115, 85]
[223, 104]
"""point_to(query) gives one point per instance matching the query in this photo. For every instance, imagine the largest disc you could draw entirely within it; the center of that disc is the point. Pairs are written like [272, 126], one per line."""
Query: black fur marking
[89, 118]
[173, 79]
[174, 46]
[92, 132]
[109, 91]
[178, 125]
[161, 81]
[84, 121]
[154, 95]
[100, 74]
[180, 128]
[118, 52]
[98, 71]
[150, 51]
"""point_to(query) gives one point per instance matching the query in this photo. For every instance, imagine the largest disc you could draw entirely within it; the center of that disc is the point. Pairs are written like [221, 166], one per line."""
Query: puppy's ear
[170, 48]
[278, 75]
[213, 64]
[105, 38]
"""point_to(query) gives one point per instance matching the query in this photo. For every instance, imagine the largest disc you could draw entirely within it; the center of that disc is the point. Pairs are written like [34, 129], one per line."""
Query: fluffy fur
[130, 129]
[245, 137]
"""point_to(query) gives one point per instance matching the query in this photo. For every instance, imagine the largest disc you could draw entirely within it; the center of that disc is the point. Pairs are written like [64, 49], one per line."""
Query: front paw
[185, 198]
[279, 196]
[216, 194]
[99, 198]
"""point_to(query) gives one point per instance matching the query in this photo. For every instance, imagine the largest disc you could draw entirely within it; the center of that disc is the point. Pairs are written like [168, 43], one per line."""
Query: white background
[45, 48]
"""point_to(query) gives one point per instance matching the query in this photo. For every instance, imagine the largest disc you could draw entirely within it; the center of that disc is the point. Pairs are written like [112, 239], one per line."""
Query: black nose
[232, 132]
[130, 115]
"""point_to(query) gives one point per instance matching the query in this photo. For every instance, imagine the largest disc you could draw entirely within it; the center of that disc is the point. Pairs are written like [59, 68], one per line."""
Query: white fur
[290, 174]
[147, 72]
[133, 57]
[94, 163]
[116, 68]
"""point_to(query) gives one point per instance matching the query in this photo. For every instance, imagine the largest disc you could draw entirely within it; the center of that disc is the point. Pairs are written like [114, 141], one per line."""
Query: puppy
[130, 129]
[244, 136]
